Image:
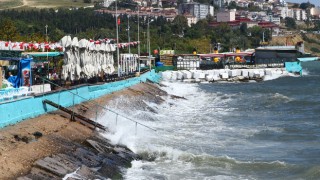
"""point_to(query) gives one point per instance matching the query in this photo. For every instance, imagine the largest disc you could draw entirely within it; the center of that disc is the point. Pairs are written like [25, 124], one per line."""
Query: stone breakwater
[223, 75]
[95, 159]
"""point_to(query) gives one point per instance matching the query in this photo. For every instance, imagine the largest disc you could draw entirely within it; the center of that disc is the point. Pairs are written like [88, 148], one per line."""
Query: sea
[253, 130]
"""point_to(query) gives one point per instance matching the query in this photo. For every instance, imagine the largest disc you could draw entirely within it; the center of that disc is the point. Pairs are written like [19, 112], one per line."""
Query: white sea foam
[272, 77]
[188, 131]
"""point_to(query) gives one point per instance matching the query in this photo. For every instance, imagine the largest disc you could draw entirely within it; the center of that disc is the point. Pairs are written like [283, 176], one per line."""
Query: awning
[305, 59]
[4, 63]
[43, 54]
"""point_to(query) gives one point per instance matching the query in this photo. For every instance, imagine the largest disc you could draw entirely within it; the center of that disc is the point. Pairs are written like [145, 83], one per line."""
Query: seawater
[265, 130]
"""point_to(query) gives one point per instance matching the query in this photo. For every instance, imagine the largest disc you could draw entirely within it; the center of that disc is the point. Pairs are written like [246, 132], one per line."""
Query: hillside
[25, 4]
[311, 42]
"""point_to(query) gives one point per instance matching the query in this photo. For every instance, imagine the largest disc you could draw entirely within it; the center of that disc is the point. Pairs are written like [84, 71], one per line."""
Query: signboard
[25, 69]
[162, 52]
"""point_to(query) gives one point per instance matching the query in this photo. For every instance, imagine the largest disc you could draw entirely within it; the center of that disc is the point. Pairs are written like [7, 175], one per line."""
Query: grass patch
[10, 4]
[40, 4]
[57, 3]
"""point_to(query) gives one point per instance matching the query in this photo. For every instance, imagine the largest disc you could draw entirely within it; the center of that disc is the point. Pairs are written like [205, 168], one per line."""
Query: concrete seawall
[29, 107]
[222, 74]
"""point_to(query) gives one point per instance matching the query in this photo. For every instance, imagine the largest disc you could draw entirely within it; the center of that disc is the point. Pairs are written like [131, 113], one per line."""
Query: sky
[315, 2]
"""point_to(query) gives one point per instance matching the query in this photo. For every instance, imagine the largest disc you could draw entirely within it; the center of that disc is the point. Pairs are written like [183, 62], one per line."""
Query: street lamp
[148, 37]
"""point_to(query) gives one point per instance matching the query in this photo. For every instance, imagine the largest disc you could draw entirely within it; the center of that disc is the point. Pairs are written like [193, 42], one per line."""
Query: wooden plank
[85, 119]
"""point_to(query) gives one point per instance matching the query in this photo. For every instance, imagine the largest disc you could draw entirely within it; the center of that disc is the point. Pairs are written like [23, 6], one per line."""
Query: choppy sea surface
[265, 130]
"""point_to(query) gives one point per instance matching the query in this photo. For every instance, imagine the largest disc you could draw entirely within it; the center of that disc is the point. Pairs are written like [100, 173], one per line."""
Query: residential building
[191, 19]
[272, 18]
[200, 11]
[298, 14]
[225, 16]
[219, 3]
[315, 11]
[284, 11]
[107, 3]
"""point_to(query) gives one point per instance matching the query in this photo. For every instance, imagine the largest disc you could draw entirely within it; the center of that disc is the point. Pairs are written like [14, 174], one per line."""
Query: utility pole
[117, 38]
[47, 50]
[148, 37]
[129, 34]
[138, 40]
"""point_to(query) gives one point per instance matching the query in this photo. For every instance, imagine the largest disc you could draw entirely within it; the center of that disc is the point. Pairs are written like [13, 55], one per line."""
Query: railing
[9, 94]
[97, 105]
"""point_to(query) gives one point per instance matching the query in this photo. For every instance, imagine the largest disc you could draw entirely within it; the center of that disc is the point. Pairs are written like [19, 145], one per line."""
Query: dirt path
[24, 3]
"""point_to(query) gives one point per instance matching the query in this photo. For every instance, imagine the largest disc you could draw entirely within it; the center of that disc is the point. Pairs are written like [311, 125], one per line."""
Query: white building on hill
[225, 16]
[200, 11]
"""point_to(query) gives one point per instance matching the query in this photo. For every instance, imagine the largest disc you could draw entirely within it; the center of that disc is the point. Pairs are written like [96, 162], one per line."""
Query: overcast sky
[315, 2]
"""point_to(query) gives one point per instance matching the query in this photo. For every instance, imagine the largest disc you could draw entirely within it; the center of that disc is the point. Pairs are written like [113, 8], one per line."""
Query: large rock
[110, 170]
[53, 166]
[85, 173]
[87, 158]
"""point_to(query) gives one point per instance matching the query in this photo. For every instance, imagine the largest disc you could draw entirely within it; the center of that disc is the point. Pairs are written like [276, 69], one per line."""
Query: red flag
[118, 21]
[21, 45]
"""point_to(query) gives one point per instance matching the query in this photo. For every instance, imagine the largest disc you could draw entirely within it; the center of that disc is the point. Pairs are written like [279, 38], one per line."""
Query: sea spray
[265, 130]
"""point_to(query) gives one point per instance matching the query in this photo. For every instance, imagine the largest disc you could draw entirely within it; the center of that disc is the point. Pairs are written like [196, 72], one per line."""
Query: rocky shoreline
[53, 146]
[95, 159]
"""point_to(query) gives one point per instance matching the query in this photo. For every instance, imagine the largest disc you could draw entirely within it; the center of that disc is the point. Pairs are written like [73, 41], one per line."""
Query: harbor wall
[222, 74]
[17, 110]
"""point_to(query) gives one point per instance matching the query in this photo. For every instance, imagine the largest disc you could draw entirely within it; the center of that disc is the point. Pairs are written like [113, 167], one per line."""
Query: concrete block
[268, 72]
[166, 75]
[173, 75]
[202, 75]
[224, 75]
[261, 72]
[245, 73]
[209, 77]
[251, 74]
[187, 75]
[179, 75]
[216, 77]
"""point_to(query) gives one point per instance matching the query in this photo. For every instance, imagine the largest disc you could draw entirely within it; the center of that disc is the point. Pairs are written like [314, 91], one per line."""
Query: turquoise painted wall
[294, 67]
[16, 111]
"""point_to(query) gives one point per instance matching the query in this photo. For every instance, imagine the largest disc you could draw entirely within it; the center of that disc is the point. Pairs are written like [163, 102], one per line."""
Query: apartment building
[298, 14]
[225, 16]
[200, 11]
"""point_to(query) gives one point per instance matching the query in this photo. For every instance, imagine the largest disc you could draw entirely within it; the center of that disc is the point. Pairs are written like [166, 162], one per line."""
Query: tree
[179, 24]
[86, 1]
[290, 23]
[232, 5]
[306, 5]
[252, 7]
[256, 35]
[244, 29]
[8, 30]
[317, 25]
[295, 5]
